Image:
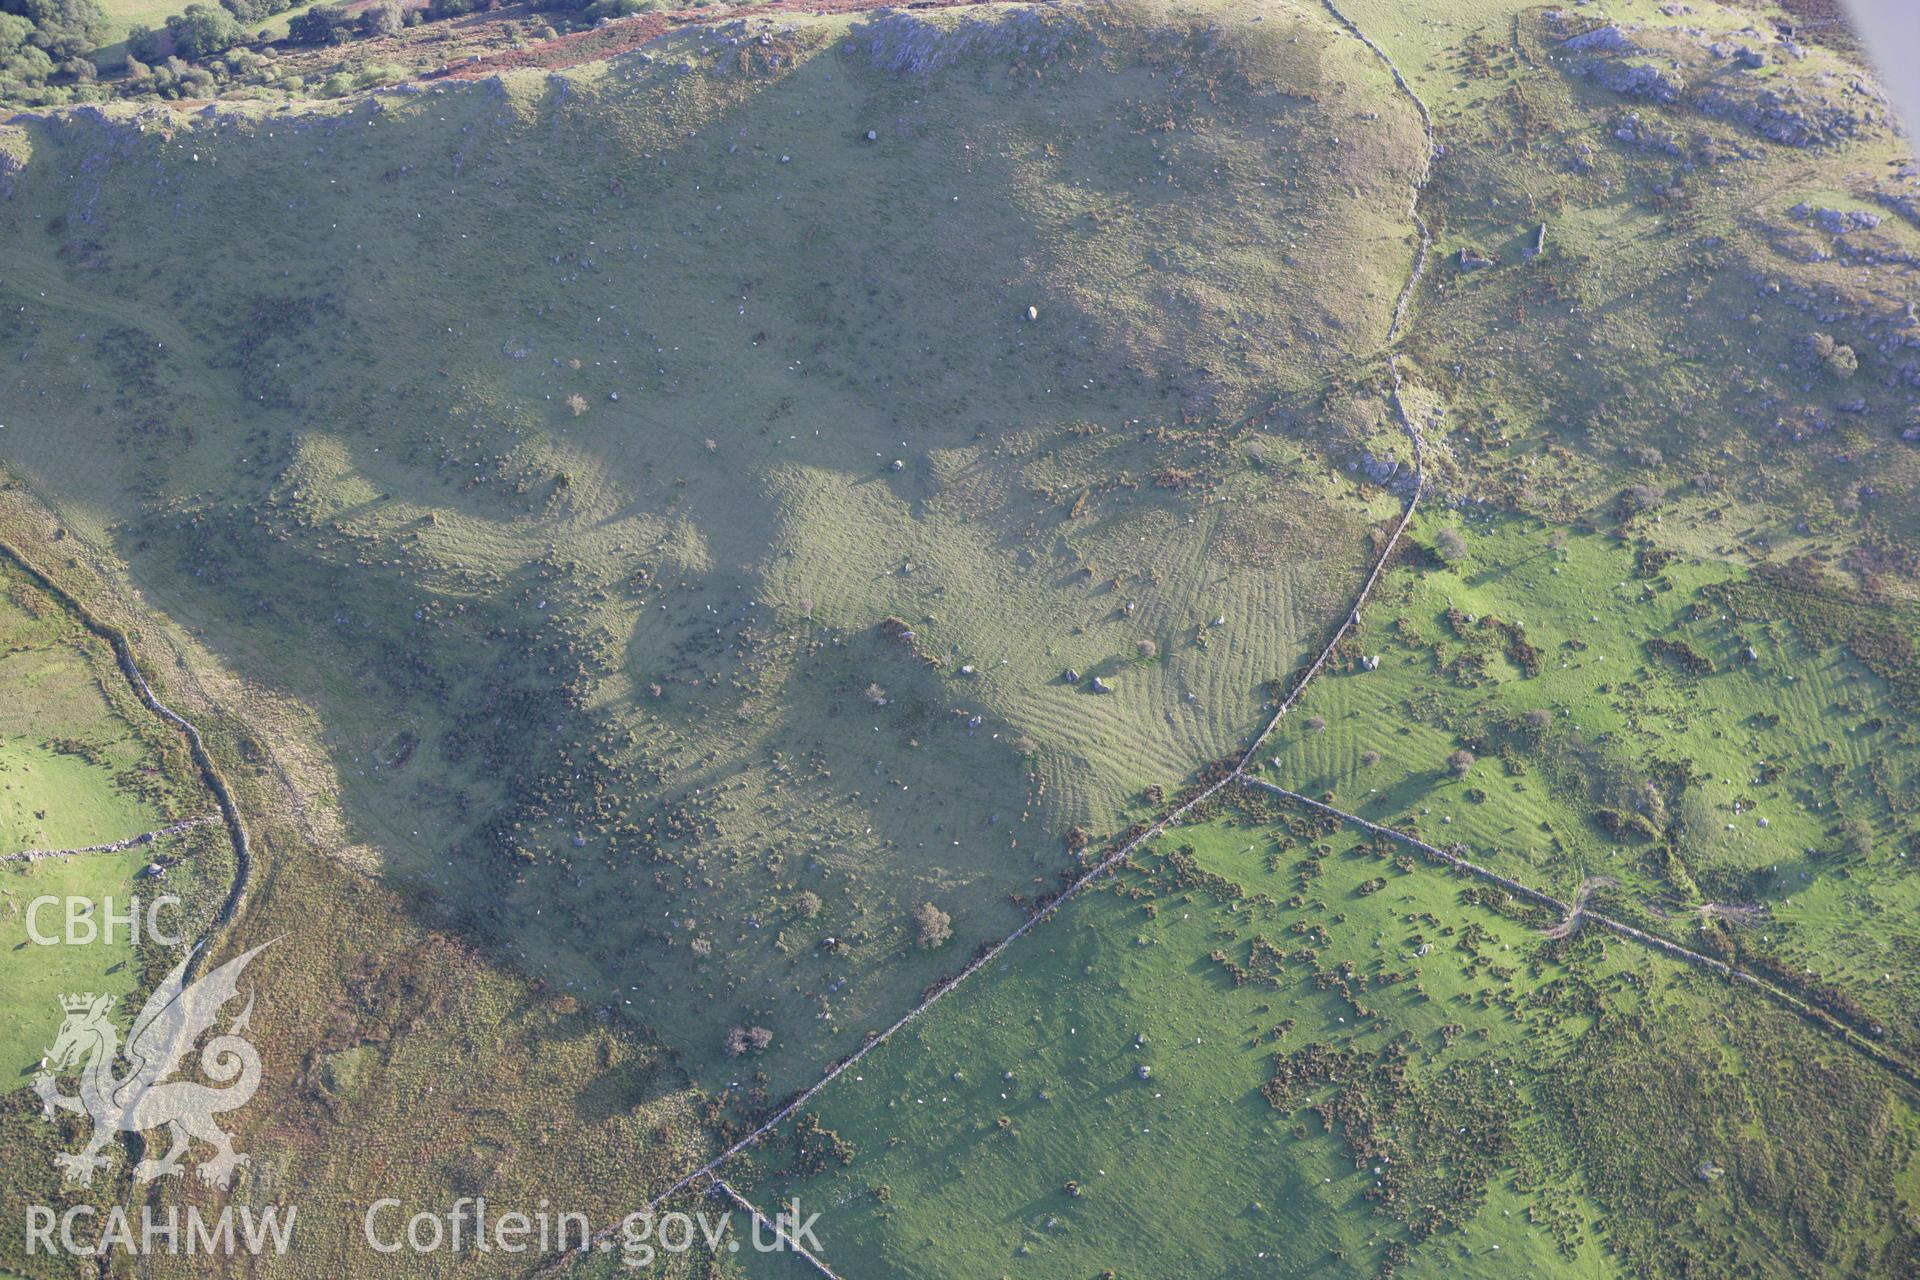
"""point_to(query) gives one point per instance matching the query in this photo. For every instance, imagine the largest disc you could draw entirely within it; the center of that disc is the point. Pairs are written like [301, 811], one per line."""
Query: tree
[61, 28]
[807, 904]
[15, 32]
[252, 11]
[202, 30]
[1450, 544]
[1460, 762]
[931, 926]
[381, 19]
[322, 24]
[143, 45]
[20, 58]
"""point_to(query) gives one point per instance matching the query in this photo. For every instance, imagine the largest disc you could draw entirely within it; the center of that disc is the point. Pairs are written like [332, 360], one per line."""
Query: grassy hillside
[585, 577]
[81, 762]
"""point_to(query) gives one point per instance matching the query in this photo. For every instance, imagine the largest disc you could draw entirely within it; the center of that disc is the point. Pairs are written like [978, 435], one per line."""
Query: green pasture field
[1011, 1131]
[124, 15]
[81, 763]
[1779, 785]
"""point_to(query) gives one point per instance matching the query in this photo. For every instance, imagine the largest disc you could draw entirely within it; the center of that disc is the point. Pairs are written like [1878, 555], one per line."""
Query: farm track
[210, 773]
[1571, 925]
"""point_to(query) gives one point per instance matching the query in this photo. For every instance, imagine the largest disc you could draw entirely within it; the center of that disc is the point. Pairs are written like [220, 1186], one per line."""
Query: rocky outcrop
[1609, 39]
[1649, 65]
[907, 44]
[1835, 222]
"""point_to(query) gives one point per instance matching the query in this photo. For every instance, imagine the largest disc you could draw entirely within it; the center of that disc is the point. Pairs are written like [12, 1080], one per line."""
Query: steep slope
[678, 485]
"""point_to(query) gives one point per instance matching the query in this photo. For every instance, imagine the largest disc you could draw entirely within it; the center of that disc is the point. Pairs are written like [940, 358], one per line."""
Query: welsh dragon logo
[142, 1098]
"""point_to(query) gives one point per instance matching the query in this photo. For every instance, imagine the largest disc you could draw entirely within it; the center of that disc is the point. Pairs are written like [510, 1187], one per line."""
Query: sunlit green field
[1778, 785]
[81, 763]
[1489, 1102]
